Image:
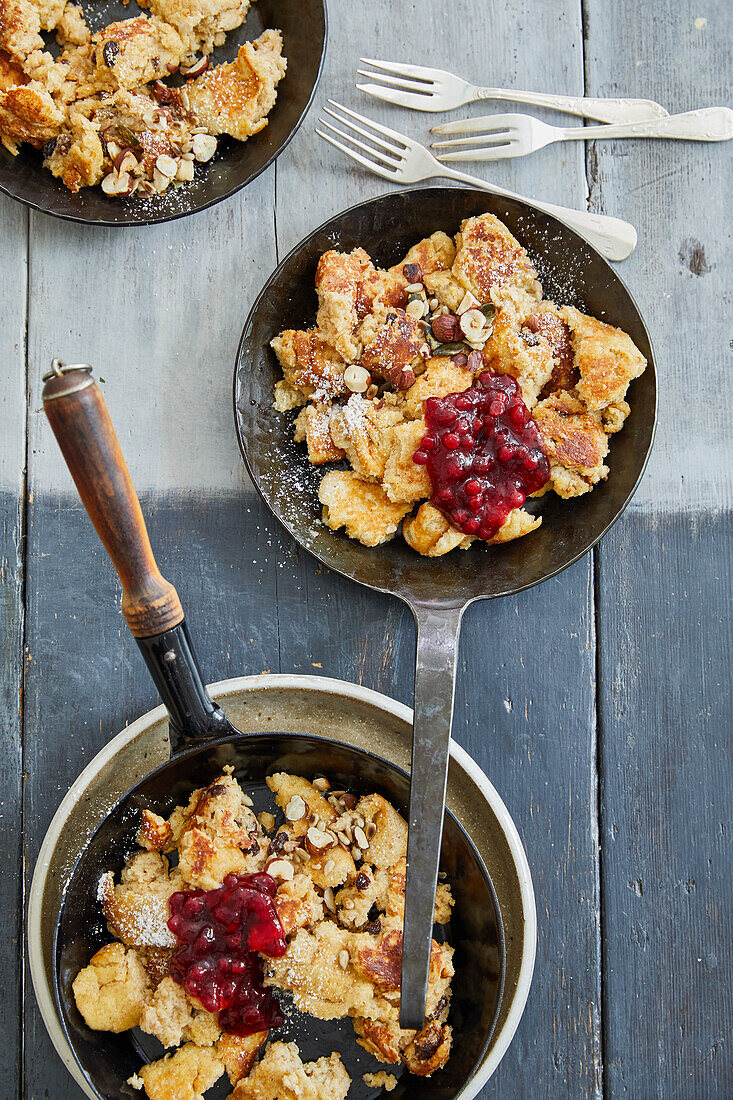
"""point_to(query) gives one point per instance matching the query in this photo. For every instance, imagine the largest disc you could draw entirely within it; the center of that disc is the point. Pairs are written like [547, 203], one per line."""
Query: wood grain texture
[13, 282]
[664, 580]
[666, 779]
[158, 313]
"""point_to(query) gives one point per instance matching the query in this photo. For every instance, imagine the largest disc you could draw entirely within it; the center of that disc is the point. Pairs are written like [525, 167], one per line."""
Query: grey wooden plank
[13, 248]
[667, 773]
[541, 752]
[664, 576]
[679, 196]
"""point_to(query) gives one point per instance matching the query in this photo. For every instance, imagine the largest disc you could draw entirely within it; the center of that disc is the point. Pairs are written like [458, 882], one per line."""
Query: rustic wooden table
[597, 704]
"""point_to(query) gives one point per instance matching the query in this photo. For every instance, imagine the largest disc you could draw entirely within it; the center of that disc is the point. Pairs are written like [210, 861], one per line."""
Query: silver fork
[500, 136]
[426, 89]
[399, 159]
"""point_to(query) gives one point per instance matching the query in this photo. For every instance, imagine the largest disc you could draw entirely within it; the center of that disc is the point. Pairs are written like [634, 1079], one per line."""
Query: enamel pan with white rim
[437, 590]
[203, 742]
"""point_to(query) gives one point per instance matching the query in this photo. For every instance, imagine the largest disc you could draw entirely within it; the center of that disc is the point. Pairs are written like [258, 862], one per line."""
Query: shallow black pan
[304, 27]
[203, 741]
[437, 590]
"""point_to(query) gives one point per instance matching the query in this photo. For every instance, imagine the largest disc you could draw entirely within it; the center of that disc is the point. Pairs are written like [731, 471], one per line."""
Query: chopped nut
[356, 378]
[125, 161]
[204, 147]
[472, 323]
[185, 171]
[295, 809]
[200, 66]
[280, 868]
[166, 165]
[415, 308]
[317, 841]
[467, 302]
[118, 184]
[160, 180]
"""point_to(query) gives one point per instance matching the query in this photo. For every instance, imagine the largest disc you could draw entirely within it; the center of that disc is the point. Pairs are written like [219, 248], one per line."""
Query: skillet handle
[438, 630]
[81, 423]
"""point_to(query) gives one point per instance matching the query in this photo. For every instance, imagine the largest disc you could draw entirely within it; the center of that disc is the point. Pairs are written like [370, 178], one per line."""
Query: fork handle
[603, 110]
[613, 238]
[708, 124]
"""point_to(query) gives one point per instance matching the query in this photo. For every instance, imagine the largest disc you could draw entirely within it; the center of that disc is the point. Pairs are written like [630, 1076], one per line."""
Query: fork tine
[474, 125]
[365, 133]
[500, 137]
[390, 161]
[358, 157]
[419, 72]
[384, 130]
[397, 82]
[402, 99]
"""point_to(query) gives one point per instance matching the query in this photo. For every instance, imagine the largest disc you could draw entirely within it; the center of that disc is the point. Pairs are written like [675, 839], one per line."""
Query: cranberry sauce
[483, 453]
[220, 932]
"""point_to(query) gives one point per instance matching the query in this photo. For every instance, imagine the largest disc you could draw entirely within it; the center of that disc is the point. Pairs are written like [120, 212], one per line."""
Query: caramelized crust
[491, 263]
[28, 113]
[363, 432]
[309, 364]
[362, 508]
[313, 425]
[605, 357]
[574, 441]
[238, 1053]
[236, 99]
[391, 342]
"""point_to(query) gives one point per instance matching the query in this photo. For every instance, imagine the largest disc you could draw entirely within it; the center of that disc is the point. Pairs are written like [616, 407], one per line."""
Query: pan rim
[220, 742]
[346, 690]
[324, 227]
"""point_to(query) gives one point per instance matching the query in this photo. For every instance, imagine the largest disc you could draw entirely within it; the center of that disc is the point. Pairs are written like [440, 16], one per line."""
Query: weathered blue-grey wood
[664, 582]
[158, 312]
[13, 249]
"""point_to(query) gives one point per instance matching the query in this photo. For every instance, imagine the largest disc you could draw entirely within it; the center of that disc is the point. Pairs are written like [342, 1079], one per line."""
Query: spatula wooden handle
[81, 423]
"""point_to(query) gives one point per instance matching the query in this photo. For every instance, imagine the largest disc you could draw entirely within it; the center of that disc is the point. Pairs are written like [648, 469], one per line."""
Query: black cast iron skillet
[203, 741]
[437, 590]
[304, 27]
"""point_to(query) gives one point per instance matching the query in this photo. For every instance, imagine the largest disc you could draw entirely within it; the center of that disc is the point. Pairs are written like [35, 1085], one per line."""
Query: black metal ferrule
[194, 716]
